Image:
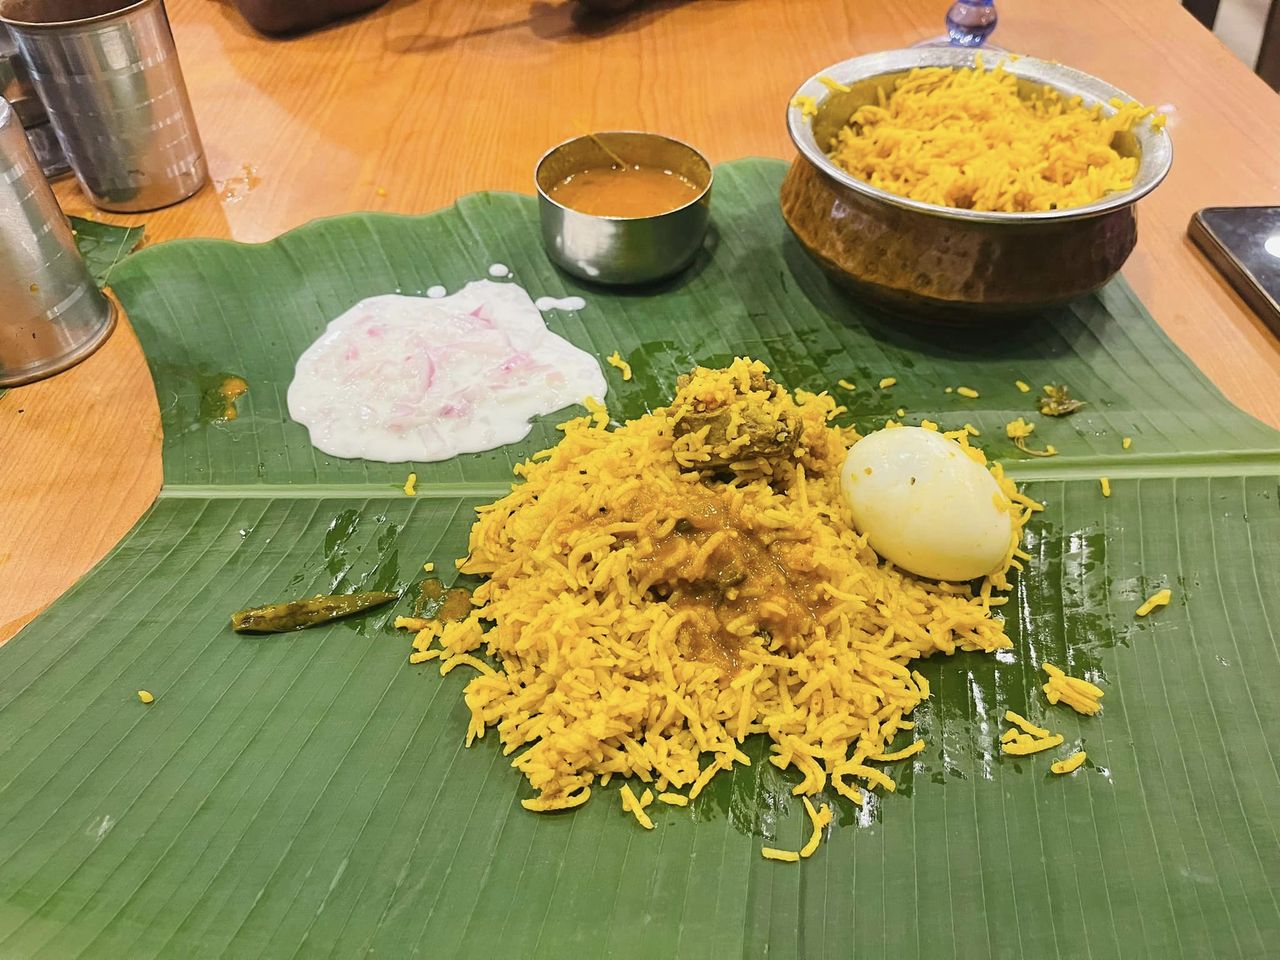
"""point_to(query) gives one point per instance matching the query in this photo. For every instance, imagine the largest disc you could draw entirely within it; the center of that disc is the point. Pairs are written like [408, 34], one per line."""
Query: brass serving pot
[943, 262]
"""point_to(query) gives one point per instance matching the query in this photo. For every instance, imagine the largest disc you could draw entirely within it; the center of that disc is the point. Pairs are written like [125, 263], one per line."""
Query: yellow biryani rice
[966, 138]
[660, 591]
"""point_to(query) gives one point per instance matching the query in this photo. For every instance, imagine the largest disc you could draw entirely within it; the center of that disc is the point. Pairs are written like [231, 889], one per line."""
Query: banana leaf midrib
[1260, 463]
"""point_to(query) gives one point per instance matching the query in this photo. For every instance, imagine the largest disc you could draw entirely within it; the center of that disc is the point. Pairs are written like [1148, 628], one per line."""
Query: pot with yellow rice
[931, 181]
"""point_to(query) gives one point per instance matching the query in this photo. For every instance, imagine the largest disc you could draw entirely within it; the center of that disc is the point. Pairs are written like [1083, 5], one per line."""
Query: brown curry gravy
[742, 582]
[437, 603]
[628, 192]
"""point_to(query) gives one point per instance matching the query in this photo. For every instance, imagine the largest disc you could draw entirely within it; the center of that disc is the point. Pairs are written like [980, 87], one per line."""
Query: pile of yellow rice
[966, 138]
[590, 634]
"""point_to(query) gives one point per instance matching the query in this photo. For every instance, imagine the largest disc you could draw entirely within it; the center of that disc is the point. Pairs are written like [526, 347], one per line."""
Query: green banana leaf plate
[309, 795]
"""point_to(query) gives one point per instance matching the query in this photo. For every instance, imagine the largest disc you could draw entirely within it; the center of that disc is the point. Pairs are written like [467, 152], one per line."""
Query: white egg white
[925, 506]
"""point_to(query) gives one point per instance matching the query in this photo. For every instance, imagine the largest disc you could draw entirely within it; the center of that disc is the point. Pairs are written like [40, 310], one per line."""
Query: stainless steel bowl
[943, 262]
[623, 250]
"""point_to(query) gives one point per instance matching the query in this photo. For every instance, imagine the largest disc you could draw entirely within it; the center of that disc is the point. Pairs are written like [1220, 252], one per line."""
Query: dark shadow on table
[597, 18]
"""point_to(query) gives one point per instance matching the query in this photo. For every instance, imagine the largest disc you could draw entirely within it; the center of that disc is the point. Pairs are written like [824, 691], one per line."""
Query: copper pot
[946, 263]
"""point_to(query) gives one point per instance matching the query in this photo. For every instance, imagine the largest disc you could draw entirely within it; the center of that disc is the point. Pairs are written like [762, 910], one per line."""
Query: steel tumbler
[109, 77]
[52, 314]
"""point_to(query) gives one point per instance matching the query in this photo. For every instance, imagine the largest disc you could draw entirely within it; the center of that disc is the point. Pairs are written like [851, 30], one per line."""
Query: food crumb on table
[615, 360]
[1019, 430]
[1160, 598]
[1027, 726]
[917, 746]
[808, 106]
[786, 856]
[819, 819]
[635, 806]
[1068, 764]
[1024, 744]
[1080, 695]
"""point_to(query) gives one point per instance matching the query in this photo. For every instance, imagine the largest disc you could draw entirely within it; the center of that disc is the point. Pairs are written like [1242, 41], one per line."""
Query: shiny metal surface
[623, 250]
[52, 314]
[15, 84]
[48, 151]
[864, 74]
[109, 77]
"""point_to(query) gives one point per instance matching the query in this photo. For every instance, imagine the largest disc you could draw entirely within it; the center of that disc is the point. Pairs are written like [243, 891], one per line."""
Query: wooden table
[426, 99]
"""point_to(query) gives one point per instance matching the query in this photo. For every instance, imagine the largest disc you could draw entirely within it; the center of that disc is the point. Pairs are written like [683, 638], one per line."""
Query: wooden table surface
[425, 100]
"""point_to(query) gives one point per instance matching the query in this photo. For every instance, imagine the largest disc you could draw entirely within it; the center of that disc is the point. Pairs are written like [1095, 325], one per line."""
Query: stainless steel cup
[52, 314]
[623, 250]
[109, 76]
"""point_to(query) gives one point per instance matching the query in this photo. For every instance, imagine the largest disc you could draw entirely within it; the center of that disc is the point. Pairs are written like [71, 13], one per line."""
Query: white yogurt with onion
[399, 378]
[559, 303]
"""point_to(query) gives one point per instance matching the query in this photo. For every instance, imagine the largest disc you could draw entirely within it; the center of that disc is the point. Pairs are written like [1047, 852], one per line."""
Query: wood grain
[81, 463]
[424, 100]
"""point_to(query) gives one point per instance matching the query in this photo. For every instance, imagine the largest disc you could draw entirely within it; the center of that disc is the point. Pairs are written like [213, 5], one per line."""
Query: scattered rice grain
[1068, 764]
[1080, 695]
[1025, 745]
[633, 806]
[1160, 598]
[1026, 725]
[786, 856]
[615, 360]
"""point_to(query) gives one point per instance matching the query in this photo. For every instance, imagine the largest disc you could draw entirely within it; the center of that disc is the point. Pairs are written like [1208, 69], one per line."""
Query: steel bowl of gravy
[623, 207]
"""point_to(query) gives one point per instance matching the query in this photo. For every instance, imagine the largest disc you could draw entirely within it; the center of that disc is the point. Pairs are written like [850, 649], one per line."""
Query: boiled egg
[925, 506]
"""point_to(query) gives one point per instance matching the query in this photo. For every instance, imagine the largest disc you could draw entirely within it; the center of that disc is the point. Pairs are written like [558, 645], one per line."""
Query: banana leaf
[310, 795]
[103, 245]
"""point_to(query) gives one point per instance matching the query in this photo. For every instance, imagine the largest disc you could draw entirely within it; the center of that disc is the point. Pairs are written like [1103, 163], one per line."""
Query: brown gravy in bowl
[630, 192]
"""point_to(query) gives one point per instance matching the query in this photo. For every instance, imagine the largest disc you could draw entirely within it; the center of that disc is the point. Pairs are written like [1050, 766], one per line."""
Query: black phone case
[1244, 244]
